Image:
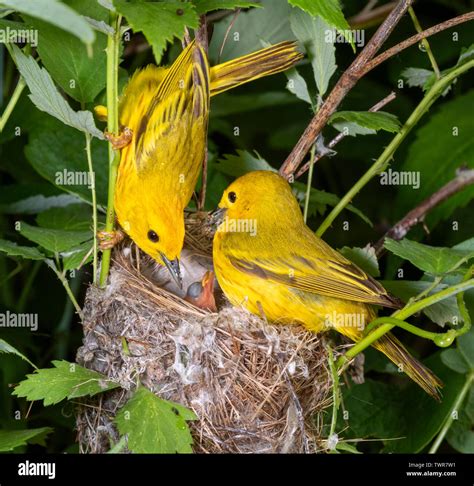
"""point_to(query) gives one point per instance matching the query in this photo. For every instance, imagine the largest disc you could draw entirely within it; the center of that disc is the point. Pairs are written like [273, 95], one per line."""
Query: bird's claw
[109, 239]
[119, 141]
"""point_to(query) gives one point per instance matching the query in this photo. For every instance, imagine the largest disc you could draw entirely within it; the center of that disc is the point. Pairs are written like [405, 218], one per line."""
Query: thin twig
[342, 135]
[345, 83]
[227, 32]
[464, 178]
[415, 39]
[369, 17]
[363, 64]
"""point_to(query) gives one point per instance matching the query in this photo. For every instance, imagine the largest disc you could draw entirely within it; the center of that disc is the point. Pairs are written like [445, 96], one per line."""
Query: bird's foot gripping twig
[121, 140]
[109, 239]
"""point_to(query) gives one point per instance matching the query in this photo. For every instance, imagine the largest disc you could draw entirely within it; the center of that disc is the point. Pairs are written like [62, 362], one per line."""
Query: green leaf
[454, 360]
[9, 349]
[441, 146]
[365, 258]
[312, 34]
[433, 260]
[80, 74]
[445, 311]
[460, 436]
[466, 347]
[11, 439]
[346, 447]
[46, 96]
[14, 250]
[203, 6]
[165, 429]
[75, 217]
[56, 13]
[54, 240]
[240, 164]
[368, 120]
[65, 380]
[330, 11]
[59, 154]
[251, 30]
[416, 77]
[76, 256]
[159, 22]
[297, 85]
[24, 199]
[407, 418]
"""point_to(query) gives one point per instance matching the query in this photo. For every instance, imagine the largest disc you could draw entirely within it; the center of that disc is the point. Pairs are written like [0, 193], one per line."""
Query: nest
[255, 387]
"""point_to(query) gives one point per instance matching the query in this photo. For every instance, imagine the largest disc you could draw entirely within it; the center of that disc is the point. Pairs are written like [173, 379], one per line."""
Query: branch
[342, 135]
[363, 64]
[464, 178]
[346, 82]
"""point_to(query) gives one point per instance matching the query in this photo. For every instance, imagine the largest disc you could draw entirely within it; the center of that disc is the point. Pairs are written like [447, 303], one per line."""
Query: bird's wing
[181, 97]
[330, 275]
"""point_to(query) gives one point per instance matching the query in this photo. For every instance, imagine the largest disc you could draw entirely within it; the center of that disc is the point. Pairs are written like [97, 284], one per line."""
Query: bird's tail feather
[419, 373]
[264, 62]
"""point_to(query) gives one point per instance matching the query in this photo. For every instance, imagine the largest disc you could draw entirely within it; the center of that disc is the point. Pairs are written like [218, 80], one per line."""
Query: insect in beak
[217, 216]
[173, 268]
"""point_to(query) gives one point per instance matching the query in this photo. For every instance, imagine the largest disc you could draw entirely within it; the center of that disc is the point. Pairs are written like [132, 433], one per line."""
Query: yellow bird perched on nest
[165, 111]
[283, 271]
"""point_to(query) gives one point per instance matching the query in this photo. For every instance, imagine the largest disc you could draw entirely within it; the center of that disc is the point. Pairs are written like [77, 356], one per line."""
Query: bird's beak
[173, 268]
[217, 216]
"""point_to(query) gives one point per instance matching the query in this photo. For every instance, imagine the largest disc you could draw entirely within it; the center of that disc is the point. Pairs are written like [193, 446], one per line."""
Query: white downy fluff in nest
[256, 387]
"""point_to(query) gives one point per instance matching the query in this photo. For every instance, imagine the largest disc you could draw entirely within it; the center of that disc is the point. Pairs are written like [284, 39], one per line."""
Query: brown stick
[346, 82]
[359, 68]
[464, 177]
[415, 39]
[342, 135]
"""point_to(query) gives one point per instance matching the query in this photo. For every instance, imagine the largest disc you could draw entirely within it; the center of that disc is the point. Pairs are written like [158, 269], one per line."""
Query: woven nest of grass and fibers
[255, 387]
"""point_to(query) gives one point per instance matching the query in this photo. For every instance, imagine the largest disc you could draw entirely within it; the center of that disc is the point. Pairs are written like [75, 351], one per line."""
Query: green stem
[441, 340]
[119, 446]
[380, 164]
[404, 325]
[113, 42]
[310, 180]
[64, 281]
[449, 421]
[12, 103]
[94, 204]
[424, 42]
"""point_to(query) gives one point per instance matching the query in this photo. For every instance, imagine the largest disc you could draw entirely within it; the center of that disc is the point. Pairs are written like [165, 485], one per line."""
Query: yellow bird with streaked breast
[166, 112]
[285, 272]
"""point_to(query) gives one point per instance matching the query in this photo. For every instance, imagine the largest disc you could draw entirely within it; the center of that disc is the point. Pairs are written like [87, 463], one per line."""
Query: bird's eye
[232, 196]
[152, 236]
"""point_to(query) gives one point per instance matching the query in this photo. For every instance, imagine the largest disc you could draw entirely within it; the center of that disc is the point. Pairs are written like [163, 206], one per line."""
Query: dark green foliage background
[271, 127]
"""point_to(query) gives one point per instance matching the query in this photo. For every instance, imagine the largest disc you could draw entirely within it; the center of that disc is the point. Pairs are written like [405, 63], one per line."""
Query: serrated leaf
[75, 217]
[416, 77]
[9, 349]
[372, 121]
[36, 204]
[65, 380]
[165, 429]
[81, 74]
[14, 250]
[251, 30]
[56, 13]
[297, 85]
[203, 6]
[441, 146]
[330, 11]
[365, 258]
[460, 435]
[454, 360]
[47, 98]
[54, 240]
[433, 260]
[160, 22]
[11, 439]
[312, 34]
